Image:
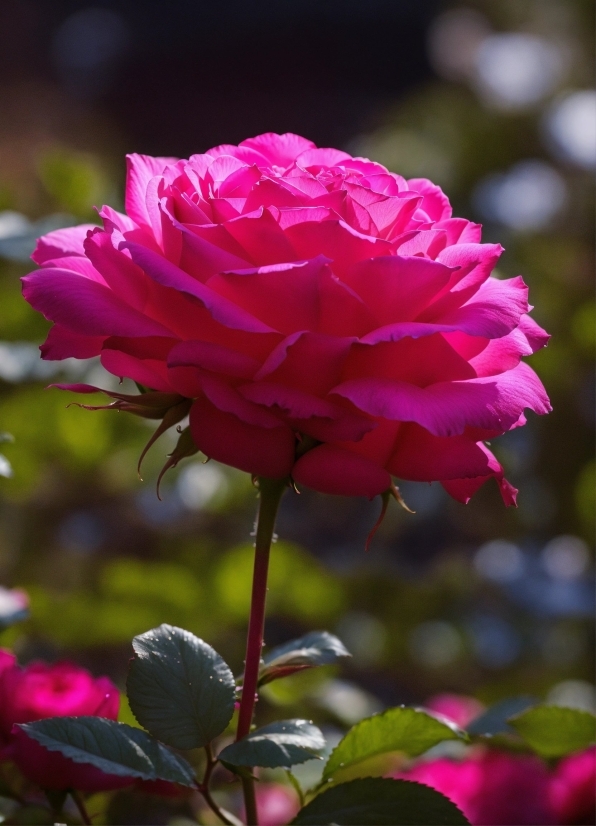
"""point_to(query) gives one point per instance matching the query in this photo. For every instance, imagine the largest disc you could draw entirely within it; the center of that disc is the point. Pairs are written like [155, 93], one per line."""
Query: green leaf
[397, 729]
[494, 720]
[115, 748]
[179, 688]
[379, 801]
[316, 648]
[553, 731]
[281, 744]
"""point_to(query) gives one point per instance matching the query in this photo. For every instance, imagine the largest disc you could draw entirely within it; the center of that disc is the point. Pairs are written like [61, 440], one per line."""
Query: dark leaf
[379, 801]
[179, 688]
[282, 744]
[494, 720]
[316, 648]
[397, 729]
[114, 748]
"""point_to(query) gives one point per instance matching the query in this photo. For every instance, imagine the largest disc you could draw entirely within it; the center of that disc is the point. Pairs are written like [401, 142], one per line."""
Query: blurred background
[491, 99]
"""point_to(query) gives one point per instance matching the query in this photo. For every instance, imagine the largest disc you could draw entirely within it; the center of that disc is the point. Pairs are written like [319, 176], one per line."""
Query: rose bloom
[458, 708]
[491, 788]
[317, 315]
[39, 691]
[495, 788]
[277, 804]
[573, 789]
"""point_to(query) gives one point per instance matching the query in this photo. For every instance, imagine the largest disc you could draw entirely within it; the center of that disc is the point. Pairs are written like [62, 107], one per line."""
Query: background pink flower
[38, 691]
[459, 708]
[277, 804]
[51, 770]
[296, 292]
[63, 689]
[573, 788]
[491, 788]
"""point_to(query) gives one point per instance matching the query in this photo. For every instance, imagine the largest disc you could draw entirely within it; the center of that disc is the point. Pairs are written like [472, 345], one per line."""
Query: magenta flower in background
[572, 790]
[51, 770]
[495, 788]
[458, 708]
[491, 788]
[280, 292]
[39, 691]
[277, 804]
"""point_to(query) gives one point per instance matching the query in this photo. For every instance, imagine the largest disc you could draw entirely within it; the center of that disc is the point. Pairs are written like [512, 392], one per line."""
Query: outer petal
[493, 311]
[84, 306]
[447, 408]
[464, 489]
[309, 414]
[436, 203]
[501, 354]
[214, 357]
[475, 262]
[331, 469]
[422, 361]
[421, 457]
[62, 343]
[460, 230]
[148, 372]
[256, 450]
[60, 243]
[123, 276]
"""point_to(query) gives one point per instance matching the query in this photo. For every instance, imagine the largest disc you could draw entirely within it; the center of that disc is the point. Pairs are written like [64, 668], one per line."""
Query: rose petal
[60, 243]
[85, 307]
[447, 408]
[140, 169]
[260, 451]
[62, 344]
[331, 469]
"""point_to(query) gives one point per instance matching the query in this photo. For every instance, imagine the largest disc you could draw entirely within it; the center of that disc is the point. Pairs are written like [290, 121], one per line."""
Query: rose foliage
[316, 315]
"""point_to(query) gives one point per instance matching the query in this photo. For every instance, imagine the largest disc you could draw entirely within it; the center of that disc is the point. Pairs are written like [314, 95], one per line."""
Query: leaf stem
[271, 491]
[204, 786]
[80, 804]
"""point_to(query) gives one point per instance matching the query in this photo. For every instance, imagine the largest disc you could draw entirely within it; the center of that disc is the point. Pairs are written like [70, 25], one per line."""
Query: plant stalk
[271, 491]
[80, 804]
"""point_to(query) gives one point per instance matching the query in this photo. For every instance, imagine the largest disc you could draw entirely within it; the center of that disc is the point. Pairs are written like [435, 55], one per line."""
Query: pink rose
[51, 770]
[491, 788]
[318, 315]
[61, 690]
[277, 804]
[459, 708]
[573, 789]
[39, 691]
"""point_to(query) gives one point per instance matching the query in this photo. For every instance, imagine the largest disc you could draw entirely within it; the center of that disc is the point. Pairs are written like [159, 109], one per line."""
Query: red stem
[271, 492]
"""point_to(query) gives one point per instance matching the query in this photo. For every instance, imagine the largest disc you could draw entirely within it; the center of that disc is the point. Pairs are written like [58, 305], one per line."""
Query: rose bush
[39, 691]
[317, 315]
